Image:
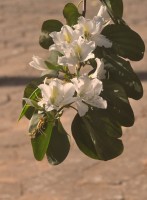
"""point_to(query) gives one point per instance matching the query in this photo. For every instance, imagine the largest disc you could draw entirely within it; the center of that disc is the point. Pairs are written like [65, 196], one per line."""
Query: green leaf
[96, 135]
[42, 130]
[126, 42]
[82, 138]
[98, 52]
[118, 104]
[115, 8]
[31, 92]
[48, 27]
[53, 67]
[33, 130]
[121, 71]
[59, 145]
[71, 14]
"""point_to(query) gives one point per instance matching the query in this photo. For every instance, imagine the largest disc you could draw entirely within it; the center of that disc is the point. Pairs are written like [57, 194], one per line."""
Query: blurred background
[78, 177]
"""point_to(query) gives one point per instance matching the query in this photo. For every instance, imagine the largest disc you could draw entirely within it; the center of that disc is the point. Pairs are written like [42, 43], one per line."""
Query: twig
[84, 8]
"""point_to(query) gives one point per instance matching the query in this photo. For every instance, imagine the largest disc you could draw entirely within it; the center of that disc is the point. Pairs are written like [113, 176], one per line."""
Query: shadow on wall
[18, 81]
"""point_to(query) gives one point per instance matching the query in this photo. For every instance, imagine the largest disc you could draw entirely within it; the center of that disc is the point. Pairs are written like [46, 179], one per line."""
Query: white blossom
[104, 14]
[39, 64]
[88, 27]
[79, 51]
[88, 92]
[56, 94]
[91, 30]
[63, 38]
[100, 71]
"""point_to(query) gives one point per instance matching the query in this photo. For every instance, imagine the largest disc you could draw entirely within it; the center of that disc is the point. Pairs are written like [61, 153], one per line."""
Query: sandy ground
[78, 178]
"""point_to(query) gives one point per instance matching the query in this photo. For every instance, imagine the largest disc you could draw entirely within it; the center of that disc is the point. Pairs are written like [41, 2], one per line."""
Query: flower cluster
[88, 69]
[75, 46]
[78, 42]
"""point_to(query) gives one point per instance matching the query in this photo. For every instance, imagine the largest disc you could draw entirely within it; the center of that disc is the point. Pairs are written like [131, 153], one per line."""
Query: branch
[84, 8]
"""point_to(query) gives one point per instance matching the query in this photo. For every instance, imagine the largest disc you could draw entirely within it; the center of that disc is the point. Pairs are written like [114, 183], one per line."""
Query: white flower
[100, 72]
[104, 14]
[88, 27]
[79, 51]
[91, 30]
[88, 91]
[63, 38]
[39, 64]
[56, 94]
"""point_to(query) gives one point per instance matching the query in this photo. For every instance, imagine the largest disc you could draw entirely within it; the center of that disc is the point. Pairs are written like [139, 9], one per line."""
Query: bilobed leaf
[59, 145]
[118, 104]
[43, 131]
[49, 26]
[82, 138]
[121, 71]
[126, 42]
[96, 135]
[112, 126]
[115, 8]
[71, 14]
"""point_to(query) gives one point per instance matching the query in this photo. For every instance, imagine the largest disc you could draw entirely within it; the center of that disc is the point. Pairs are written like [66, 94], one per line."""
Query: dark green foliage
[126, 42]
[71, 14]
[48, 26]
[96, 135]
[118, 104]
[115, 9]
[121, 71]
[59, 145]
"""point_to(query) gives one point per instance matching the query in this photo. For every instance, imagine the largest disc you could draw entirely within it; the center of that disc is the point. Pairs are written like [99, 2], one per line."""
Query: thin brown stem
[84, 8]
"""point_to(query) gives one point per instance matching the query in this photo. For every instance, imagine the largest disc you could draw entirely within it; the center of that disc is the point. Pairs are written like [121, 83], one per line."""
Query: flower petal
[38, 63]
[102, 41]
[98, 102]
[44, 91]
[100, 71]
[81, 107]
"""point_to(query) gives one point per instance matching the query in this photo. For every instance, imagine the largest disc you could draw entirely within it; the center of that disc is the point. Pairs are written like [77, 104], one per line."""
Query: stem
[84, 8]
[78, 69]
[73, 108]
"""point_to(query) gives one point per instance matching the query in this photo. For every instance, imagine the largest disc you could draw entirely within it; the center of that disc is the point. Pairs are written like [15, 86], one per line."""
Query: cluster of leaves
[98, 133]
